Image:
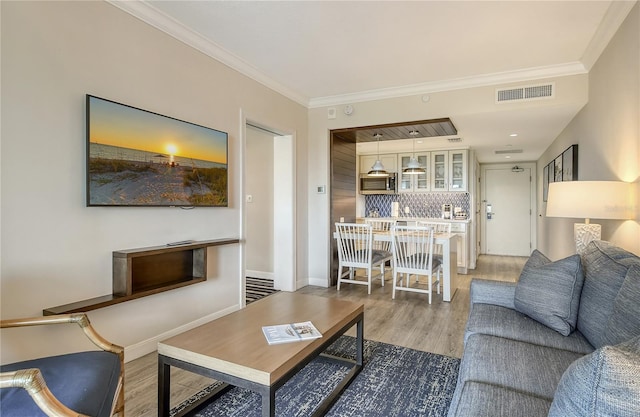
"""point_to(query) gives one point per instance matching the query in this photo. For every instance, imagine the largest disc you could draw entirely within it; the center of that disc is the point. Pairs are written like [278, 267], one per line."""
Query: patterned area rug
[395, 381]
[257, 288]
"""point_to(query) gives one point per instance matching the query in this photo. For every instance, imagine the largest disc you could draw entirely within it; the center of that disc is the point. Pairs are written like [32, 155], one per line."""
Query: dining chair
[355, 251]
[382, 226]
[438, 227]
[412, 248]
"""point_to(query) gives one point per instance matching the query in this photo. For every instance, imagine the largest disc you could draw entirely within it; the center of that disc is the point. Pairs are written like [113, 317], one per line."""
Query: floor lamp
[589, 200]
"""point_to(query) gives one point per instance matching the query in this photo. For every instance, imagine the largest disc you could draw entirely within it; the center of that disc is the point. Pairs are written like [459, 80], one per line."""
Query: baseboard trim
[140, 349]
[319, 282]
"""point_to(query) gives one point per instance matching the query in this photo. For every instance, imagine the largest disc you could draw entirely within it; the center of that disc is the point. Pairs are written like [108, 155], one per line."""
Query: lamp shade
[377, 170]
[590, 200]
[413, 167]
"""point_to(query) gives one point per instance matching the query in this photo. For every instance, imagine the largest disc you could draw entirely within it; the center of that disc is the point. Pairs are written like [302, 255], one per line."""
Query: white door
[507, 212]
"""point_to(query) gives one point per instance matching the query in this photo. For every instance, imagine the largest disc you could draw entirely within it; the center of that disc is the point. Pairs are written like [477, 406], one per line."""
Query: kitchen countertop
[414, 219]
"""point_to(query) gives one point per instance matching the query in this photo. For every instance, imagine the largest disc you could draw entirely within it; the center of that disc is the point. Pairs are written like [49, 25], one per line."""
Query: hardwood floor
[406, 321]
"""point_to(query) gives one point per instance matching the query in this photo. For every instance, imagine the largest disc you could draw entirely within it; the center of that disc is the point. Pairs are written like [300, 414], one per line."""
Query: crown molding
[611, 22]
[154, 17]
[529, 74]
[617, 12]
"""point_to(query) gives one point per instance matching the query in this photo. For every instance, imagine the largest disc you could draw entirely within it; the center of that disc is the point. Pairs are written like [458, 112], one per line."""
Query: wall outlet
[249, 198]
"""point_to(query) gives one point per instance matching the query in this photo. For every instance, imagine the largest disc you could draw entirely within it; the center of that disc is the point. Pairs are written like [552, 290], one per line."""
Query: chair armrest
[32, 381]
[499, 293]
[80, 319]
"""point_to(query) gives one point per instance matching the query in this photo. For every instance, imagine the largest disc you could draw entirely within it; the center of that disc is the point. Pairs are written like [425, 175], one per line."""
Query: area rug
[394, 382]
[256, 288]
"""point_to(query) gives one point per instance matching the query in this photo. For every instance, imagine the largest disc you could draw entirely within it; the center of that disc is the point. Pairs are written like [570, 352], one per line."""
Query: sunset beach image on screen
[140, 158]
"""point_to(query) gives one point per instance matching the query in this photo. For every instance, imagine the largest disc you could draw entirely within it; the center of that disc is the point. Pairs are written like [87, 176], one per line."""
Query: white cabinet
[389, 162]
[463, 246]
[413, 183]
[449, 170]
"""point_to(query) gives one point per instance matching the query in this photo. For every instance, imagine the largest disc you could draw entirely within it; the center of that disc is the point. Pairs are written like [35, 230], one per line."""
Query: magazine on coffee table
[293, 332]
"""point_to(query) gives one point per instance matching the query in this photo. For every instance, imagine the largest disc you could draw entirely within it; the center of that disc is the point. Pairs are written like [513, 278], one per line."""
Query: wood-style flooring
[406, 321]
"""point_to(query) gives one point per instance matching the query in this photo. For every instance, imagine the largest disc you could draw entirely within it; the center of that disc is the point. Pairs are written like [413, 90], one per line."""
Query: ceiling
[333, 53]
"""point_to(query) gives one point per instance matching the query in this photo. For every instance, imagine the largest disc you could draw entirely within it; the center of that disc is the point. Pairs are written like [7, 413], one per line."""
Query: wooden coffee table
[233, 349]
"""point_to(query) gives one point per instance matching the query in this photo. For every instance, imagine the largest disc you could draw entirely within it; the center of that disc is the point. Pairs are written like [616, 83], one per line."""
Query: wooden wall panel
[343, 189]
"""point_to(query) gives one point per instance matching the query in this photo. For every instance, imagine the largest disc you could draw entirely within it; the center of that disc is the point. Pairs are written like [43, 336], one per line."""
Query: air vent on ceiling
[507, 151]
[527, 92]
[453, 140]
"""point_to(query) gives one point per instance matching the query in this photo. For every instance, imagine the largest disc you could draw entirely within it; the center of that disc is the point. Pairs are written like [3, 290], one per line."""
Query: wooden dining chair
[412, 248]
[382, 226]
[355, 251]
[438, 228]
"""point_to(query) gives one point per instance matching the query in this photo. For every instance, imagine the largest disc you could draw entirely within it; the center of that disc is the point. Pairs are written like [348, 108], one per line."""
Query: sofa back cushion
[624, 322]
[605, 267]
[549, 292]
[605, 383]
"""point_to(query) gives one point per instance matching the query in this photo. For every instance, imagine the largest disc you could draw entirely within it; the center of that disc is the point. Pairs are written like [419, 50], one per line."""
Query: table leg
[164, 383]
[269, 403]
[359, 341]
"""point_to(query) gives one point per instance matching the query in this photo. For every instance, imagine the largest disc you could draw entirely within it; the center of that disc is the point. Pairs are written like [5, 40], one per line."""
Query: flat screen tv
[140, 158]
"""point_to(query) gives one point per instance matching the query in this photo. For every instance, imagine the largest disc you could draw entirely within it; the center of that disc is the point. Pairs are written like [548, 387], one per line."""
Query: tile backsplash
[420, 204]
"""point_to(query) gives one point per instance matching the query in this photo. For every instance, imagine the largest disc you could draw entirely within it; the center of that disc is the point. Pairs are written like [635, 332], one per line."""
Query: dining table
[448, 241]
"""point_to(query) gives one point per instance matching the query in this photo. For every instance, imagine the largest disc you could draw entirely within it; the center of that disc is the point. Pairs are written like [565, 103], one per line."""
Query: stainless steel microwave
[378, 185]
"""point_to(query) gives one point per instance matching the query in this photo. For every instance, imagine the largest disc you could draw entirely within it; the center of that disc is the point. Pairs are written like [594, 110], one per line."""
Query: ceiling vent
[527, 92]
[454, 140]
[508, 151]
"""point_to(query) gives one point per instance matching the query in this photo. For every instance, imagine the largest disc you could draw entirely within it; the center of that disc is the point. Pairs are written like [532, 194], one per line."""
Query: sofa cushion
[624, 322]
[86, 382]
[549, 292]
[505, 322]
[605, 267]
[484, 400]
[524, 367]
[604, 383]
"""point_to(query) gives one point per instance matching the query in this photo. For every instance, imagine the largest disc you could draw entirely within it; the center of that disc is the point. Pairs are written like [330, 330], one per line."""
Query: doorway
[508, 207]
[268, 206]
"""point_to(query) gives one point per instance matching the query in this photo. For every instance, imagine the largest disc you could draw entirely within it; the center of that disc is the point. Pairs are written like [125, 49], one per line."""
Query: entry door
[507, 218]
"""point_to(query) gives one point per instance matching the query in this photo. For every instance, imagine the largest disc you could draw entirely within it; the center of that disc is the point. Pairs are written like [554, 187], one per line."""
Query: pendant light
[413, 167]
[377, 170]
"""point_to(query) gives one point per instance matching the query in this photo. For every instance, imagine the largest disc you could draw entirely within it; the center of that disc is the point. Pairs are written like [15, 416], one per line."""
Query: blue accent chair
[76, 384]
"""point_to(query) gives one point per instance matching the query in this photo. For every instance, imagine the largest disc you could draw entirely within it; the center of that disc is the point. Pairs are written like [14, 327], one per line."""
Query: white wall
[54, 249]
[607, 131]
[259, 185]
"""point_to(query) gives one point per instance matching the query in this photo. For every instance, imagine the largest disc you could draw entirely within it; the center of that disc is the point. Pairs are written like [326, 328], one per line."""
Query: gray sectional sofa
[562, 341]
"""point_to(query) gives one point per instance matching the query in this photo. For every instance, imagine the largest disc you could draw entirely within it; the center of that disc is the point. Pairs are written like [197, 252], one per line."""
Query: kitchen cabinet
[463, 246]
[389, 161]
[449, 170]
[413, 183]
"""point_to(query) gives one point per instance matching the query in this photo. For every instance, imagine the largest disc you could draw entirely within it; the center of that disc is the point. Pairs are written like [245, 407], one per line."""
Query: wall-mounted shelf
[145, 271]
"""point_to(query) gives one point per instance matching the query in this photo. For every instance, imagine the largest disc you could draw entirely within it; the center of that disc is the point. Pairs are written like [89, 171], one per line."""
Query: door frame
[284, 222]
[482, 218]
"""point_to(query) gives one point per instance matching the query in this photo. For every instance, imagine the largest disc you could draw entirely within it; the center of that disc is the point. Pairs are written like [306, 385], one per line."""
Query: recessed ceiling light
[508, 156]
[418, 141]
[513, 135]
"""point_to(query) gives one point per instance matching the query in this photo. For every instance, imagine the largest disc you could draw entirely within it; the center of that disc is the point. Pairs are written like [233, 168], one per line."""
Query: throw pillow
[605, 383]
[549, 292]
[624, 322]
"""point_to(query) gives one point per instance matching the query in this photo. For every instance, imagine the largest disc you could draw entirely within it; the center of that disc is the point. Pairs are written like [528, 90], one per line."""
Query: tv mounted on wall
[139, 158]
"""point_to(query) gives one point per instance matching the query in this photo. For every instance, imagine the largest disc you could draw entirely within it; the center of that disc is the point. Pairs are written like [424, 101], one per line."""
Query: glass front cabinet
[413, 183]
[449, 170]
